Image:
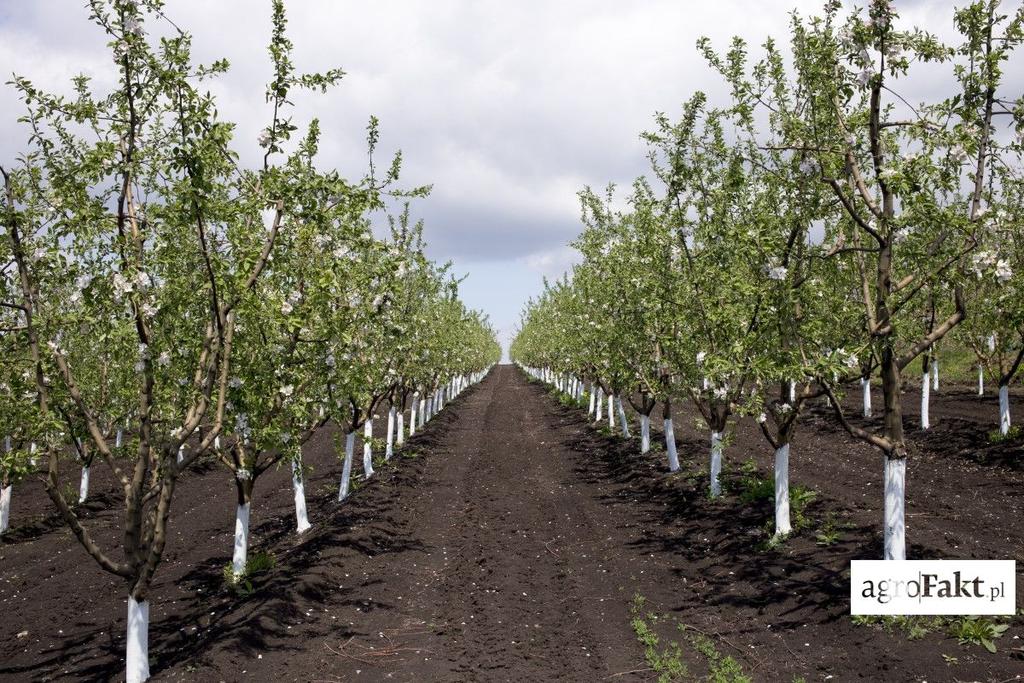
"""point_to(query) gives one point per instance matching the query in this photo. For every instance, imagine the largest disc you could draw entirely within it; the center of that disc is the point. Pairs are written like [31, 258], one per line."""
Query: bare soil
[508, 541]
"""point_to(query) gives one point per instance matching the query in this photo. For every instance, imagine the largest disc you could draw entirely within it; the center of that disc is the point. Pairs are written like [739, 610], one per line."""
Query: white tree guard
[346, 468]
[895, 503]
[299, 488]
[83, 485]
[240, 555]
[368, 448]
[782, 521]
[5, 508]
[865, 387]
[645, 433]
[136, 667]
[716, 463]
[925, 400]
[670, 446]
[1004, 409]
[389, 446]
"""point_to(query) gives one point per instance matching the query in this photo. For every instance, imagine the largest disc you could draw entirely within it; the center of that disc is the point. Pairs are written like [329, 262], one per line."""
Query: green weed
[256, 564]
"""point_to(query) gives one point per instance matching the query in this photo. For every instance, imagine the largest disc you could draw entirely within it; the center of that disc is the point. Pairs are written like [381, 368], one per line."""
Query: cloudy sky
[507, 108]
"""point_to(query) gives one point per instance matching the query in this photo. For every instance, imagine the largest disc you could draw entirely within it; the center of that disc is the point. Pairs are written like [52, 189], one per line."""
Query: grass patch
[968, 630]
[665, 661]
[753, 487]
[1012, 434]
[977, 631]
[721, 668]
[256, 564]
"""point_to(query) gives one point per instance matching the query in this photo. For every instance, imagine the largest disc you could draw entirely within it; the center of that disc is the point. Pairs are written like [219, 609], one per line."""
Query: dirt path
[506, 543]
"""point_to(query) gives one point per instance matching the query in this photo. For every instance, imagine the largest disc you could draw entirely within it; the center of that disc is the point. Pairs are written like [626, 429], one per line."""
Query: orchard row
[162, 304]
[808, 234]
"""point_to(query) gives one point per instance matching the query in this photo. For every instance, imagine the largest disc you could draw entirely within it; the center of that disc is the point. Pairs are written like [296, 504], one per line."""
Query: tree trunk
[716, 463]
[1004, 409]
[935, 374]
[925, 386]
[670, 438]
[782, 521]
[645, 433]
[593, 396]
[895, 502]
[412, 414]
[400, 429]
[346, 468]
[599, 415]
[865, 385]
[895, 458]
[299, 487]
[83, 486]
[622, 417]
[137, 651]
[611, 412]
[5, 507]
[981, 380]
[368, 448]
[389, 448]
[240, 556]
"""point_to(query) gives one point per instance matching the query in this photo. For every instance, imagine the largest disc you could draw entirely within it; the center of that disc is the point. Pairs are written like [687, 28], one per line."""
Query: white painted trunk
[981, 381]
[895, 501]
[136, 668]
[389, 448]
[925, 387]
[792, 392]
[216, 442]
[865, 385]
[716, 463]
[935, 374]
[423, 412]
[118, 440]
[611, 411]
[412, 416]
[1004, 409]
[645, 433]
[400, 430]
[782, 522]
[670, 446]
[593, 396]
[367, 449]
[346, 468]
[5, 508]
[181, 453]
[622, 417]
[299, 486]
[241, 551]
[600, 405]
[83, 486]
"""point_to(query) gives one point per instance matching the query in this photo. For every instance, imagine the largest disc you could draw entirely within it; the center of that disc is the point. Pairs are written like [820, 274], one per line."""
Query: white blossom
[121, 286]
[1002, 271]
[264, 138]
